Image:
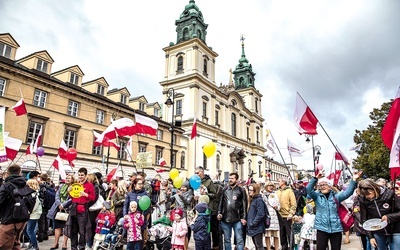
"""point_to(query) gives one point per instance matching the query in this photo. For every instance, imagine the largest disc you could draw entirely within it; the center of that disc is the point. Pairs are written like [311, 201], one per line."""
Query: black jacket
[388, 204]
[6, 203]
[233, 204]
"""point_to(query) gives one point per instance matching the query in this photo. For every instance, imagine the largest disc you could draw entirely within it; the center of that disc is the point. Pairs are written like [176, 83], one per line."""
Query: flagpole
[277, 147]
[313, 152]
[108, 156]
[195, 151]
[133, 164]
[320, 124]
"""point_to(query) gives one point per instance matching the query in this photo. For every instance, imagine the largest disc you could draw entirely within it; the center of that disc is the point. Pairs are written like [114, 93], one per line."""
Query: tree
[373, 157]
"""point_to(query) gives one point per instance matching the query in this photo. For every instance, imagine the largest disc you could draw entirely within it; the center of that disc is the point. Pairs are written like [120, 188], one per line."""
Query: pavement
[355, 244]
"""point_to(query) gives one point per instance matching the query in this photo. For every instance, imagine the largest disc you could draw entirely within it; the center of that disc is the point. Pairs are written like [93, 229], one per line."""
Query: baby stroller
[159, 236]
[115, 239]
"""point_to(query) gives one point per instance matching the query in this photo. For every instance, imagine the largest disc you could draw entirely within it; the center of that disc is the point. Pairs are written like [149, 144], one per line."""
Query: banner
[3, 152]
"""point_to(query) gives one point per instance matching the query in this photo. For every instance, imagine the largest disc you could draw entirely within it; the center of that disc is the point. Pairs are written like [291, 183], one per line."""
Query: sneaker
[88, 248]
[25, 245]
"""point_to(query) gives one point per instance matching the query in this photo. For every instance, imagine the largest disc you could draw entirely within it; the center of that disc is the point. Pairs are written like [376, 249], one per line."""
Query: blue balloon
[195, 181]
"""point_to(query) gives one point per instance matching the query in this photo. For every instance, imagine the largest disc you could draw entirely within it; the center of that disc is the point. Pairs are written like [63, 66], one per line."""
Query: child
[104, 221]
[296, 228]
[133, 222]
[114, 235]
[179, 230]
[199, 225]
[308, 232]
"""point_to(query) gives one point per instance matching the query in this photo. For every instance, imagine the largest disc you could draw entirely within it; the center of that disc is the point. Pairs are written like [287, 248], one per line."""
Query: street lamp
[169, 103]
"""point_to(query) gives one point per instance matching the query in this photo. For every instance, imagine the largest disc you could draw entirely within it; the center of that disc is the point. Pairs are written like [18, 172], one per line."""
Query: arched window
[180, 63]
[205, 65]
[233, 124]
[185, 34]
[183, 160]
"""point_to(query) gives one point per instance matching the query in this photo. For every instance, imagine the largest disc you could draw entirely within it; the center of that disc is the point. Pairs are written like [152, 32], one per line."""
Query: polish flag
[59, 165]
[194, 129]
[340, 156]
[124, 127]
[38, 140]
[20, 108]
[29, 149]
[111, 176]
[128, 150]
[12, 147]
[391, 136]
[107, 135]
[62, 150]
[160, 170]
[162, 162]
[145, 125]
[304, 118]
[106, 143]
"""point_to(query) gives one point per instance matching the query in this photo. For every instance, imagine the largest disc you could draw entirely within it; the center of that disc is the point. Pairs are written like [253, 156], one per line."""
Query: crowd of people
[88, 211]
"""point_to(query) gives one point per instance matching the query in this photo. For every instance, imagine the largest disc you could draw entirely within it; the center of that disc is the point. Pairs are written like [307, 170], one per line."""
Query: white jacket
[37, 209]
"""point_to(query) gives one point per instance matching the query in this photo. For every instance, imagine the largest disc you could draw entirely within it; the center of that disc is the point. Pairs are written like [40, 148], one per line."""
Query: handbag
[346, 217]
[60, 215]
[98, 204]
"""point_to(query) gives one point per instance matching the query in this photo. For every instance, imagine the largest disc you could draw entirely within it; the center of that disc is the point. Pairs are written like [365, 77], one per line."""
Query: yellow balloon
[173, 173]
[178, 181]
[209, 149]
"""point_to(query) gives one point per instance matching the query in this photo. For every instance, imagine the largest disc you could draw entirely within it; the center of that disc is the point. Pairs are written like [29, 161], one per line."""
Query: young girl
[308, 232]
[104, 221]
[133, 222]
[179, 230]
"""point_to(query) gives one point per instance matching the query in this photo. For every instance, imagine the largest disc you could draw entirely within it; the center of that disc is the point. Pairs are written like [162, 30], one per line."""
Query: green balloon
[144, 203]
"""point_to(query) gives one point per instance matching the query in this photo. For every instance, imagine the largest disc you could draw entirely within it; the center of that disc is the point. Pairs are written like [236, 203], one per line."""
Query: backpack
[267, 219]
[47, 195]
[24, 202]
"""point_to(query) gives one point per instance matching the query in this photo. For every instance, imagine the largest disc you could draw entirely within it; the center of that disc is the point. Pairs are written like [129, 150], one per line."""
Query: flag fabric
[270, 146]
[356, 147]
[12, 147]
[20, 108]
[108, 134]
[62, 150]
[124, 127]
[38, 140]
[105, 143]
[194, 129]
[340, 156]
[293, 149]
[391, 136]
[304, 118]
[335, 176]
[59, 165]
[145, 125]
[160, 170]
[128, 150]
[162, 162]
[112, 175]
[29, 149]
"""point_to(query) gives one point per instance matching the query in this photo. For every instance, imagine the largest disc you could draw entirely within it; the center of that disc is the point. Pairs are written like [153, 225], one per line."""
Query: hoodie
[5, 193]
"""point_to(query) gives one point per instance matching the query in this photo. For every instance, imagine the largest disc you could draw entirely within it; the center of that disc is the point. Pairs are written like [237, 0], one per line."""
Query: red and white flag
[145, 125]
[194, 129]
[29, 149]
[160, 170]
[38, 140]
[105, 143]
[293, 149]
[20, 108]
[59, 165]
[304, 118]
[107, 135]
[162, 162]
[340, 156]
[124, 127]
[128, 149]
[112, 175]
[391, 136]
[62, 150]
[12, 147]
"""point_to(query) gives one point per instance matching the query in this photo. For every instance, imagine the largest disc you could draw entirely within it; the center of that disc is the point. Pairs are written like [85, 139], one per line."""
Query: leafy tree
[373, 157]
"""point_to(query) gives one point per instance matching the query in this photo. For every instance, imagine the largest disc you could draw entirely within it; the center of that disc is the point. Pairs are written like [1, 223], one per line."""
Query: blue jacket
[200, 228]
[326, 217]
[135, 195]
[256, 216]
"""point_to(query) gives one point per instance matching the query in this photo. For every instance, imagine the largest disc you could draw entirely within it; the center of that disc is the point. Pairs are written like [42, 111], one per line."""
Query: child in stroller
[159, 235]
[114, 239]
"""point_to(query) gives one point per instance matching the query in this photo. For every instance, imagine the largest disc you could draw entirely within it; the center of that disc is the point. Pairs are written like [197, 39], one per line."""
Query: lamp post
[171, 102]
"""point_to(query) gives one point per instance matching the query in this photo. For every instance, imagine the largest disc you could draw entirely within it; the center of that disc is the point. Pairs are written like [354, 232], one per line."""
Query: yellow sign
[76, 190]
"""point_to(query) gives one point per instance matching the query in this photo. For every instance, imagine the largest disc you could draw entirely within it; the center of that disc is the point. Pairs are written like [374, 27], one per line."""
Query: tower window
[233, 124]
[180, 63]
[205, 66]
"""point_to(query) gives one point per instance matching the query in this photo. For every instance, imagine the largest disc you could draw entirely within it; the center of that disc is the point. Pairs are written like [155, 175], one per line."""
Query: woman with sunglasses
[383, 203]
[327, 221]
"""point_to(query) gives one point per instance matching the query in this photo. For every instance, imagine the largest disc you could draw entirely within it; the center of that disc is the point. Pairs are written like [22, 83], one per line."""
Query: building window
[122, 149]
[174, 159]
[33, 132]
[123, 99]
[216, 117]
[180, 63]
[178, 107]
[100, 116]
[218, 162]
[5, 50]
[74, 79]
[142, 147]
[256, 105]
[159, 153]
[97, 150]
[257, 136]
[141, 106]
[248, 133]
[204, 161]
[73, 108]
[183, 160]
[41, 66]
[156, 112]
[205, 66]
[40, 98]
[100, 89]
[160, 134]
[2, 86]
[233, 124]
[70, 138]
[204, 109]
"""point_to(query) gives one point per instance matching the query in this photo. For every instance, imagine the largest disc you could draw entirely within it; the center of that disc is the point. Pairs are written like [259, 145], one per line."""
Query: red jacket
[88, 188]
[108, 217]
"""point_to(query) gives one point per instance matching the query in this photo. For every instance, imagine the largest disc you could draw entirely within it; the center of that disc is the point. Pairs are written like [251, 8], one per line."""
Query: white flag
[293, 149]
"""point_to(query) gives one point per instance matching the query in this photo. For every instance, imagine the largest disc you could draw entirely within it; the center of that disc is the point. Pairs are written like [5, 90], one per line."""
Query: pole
[313, 152]
[108, 157]
[172, 131]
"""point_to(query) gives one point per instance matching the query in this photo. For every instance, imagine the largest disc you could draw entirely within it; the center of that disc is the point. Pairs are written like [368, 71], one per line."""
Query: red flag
[29, 149]
[340, 156]
[38, 139]
[304, 118]
[112, 173]
[62, 150]
[12, 147]
[124, 127]
[145, 125]
[20, 108]
[391, 136]
[337, 177]
[162, 162]
[107, 134]
[194, 129]
[59, 165]
[105, 143]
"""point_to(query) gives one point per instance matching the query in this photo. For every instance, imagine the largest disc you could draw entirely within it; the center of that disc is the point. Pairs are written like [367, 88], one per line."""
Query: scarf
[64, 193]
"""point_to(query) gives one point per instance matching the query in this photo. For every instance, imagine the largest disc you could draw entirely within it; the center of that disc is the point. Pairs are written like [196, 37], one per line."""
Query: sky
[343, 57]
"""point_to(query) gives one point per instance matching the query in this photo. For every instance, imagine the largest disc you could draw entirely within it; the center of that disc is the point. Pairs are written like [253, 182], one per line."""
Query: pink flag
[194, 129]
[20, 108]
[12, 147]
[59, 165]
[38, 139]
[162, 162]
[145, 125]
[124, 127]
[304, 118]
[391, 136]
